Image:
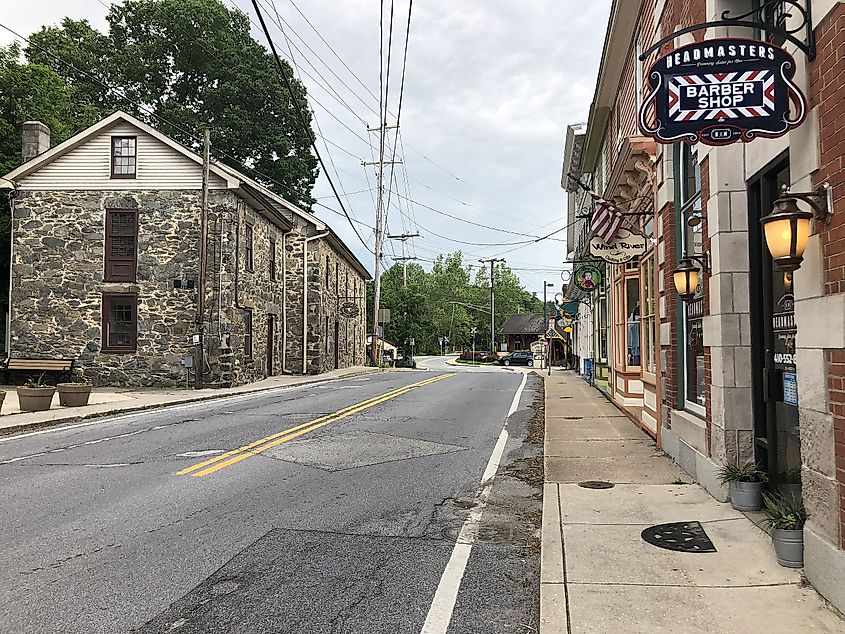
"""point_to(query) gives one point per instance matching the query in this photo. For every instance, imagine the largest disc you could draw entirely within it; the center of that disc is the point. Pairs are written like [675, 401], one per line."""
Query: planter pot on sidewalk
[746, 496]
[791, 491]
[73, 394]
[35, 399]
[789, 547]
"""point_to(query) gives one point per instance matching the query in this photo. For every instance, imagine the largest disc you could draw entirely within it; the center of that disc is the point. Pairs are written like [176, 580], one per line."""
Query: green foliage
[191, 62]
[746, 473]
[785, 512]
[440, 303]
[36, 382]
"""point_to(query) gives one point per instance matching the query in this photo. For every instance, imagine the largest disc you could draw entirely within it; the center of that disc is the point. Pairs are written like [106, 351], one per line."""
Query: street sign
[440, 341]
[383, 315]
[413, 342]
[722, 91]
[625, 247]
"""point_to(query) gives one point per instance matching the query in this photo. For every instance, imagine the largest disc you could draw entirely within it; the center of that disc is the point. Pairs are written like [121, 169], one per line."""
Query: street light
[787, 228]
[546, 325]
[686, 276]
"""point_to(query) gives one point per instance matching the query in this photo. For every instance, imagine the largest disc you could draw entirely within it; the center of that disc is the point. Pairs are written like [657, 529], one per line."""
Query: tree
[181, 65]
[446, 301]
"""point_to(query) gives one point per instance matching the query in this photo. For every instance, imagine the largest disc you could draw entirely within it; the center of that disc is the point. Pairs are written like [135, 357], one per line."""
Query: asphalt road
[334, 507]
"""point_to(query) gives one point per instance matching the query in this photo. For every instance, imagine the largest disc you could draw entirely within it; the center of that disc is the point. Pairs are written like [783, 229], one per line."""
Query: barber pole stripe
[679, 81]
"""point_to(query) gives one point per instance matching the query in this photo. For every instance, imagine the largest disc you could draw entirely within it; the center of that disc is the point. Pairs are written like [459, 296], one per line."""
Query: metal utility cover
[685, 537]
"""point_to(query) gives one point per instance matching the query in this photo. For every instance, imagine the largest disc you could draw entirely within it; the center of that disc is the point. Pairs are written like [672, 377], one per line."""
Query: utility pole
[199, 364]
[404, 259]
[546, 325]
[492, 262]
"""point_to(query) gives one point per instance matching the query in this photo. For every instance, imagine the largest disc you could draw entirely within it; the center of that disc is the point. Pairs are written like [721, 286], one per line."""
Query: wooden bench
[62, 366]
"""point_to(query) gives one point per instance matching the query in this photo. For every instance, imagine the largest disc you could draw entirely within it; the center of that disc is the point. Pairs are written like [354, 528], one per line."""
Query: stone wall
[339, 336]
[58, 288]
[57, 282]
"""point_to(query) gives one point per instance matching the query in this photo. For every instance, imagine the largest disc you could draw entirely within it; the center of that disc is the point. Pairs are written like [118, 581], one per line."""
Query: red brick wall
[827, 92]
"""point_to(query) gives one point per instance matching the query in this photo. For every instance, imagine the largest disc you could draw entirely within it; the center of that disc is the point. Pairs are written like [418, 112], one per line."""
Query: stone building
[105, 265]
[752, 367]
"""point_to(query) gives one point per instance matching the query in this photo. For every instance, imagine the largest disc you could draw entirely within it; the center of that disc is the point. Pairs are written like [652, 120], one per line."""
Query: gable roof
[524, 324]
[280, 210]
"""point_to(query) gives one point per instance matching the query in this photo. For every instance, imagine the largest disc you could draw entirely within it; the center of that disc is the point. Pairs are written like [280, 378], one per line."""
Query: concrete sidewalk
[599, 575]
[106, 401]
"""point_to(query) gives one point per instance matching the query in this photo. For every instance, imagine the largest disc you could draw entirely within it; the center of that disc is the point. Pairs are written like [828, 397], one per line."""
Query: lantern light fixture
[787, 228]
[686, 275]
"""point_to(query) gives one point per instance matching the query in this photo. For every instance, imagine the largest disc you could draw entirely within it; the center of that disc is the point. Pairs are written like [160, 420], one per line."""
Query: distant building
[106, 239]
[523, 329]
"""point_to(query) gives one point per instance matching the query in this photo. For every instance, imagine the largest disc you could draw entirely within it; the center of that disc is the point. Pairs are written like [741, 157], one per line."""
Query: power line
[339, 58]
[301, 118]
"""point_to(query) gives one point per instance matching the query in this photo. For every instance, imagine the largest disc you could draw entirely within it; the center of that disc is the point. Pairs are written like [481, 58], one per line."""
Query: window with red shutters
[121, 245]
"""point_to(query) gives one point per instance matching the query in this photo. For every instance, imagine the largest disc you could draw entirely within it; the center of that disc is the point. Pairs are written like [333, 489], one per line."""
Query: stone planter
[746, 496]
[73, 394]
[789, 547]
[35, 399]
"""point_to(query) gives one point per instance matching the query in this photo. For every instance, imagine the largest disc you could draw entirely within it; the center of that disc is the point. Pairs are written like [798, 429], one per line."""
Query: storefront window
[649, 345]
[632, 312]
[689, 219]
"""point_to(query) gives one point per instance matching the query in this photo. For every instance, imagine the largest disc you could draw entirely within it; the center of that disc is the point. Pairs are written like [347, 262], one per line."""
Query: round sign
[587, 278]
[349, 309]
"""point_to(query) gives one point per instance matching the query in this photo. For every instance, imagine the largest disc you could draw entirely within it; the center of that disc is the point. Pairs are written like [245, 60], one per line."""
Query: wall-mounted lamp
[787, 228]
[686, 276]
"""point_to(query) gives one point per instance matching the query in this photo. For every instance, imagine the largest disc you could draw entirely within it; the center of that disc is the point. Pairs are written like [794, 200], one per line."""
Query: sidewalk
[599, 575]
[106, 401]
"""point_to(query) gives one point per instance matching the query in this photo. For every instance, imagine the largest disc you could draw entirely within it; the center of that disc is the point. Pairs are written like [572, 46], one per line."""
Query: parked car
[519, 357]
[406, 361]
[478, 356]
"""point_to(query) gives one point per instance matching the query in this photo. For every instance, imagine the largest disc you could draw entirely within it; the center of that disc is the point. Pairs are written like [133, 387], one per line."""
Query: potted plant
[745, 484]
[786, 516]
[790, 484]
[76, 393]
[35, 395]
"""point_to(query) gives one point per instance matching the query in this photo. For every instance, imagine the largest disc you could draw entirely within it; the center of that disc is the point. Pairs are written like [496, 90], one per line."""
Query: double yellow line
[229, 458]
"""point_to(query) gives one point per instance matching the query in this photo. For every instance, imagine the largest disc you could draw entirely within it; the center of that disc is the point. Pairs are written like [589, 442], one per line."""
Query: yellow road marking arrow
[207, 467]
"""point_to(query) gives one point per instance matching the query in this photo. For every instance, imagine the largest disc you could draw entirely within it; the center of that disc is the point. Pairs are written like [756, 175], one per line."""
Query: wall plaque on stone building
[349, 309]
[722, 91]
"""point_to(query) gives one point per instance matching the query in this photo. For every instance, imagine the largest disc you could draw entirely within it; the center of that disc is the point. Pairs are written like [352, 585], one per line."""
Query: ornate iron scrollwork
[772, 17]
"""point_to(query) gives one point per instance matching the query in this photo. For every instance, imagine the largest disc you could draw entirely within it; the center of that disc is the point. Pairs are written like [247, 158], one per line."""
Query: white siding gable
[88, 167]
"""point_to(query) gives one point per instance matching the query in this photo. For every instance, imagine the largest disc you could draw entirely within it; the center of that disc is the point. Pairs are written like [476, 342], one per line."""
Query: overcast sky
[490, 87]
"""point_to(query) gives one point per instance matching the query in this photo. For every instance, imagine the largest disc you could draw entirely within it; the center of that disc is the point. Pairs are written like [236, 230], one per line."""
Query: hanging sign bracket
[771, 17]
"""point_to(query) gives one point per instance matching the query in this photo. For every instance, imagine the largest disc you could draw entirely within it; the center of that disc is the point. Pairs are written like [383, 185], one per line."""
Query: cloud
[490, 88]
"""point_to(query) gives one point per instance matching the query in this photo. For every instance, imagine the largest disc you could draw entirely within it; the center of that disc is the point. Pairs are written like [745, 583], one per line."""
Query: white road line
[443, 604]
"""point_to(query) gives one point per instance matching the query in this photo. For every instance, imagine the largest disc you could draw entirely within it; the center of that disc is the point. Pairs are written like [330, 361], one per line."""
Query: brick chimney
[35, 139]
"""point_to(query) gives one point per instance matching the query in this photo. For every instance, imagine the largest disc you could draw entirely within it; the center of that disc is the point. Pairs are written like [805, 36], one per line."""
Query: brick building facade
[726, 362]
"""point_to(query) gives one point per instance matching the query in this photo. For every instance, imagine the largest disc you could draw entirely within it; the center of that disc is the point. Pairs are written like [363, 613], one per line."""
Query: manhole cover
[596, 484]
[685, 537]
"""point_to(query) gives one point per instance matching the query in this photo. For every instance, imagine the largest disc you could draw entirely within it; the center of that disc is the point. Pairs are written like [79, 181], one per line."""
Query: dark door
[336, 344]
[271, 343]
[777, 441]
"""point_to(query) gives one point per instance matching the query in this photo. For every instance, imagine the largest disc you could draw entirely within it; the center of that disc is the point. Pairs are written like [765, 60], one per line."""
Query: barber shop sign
[722, 91]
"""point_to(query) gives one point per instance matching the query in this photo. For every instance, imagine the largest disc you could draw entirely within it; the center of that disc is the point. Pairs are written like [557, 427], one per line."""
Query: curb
[554, 609]
[25, 427]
